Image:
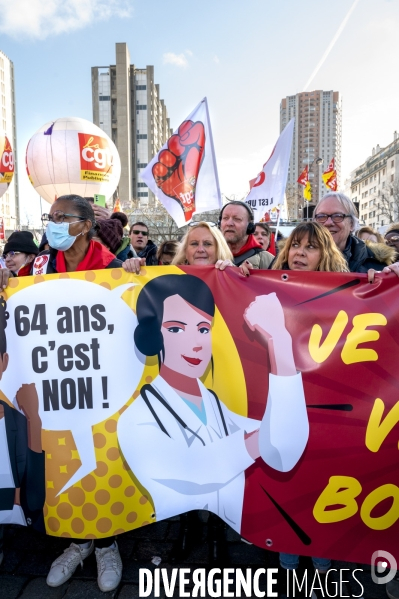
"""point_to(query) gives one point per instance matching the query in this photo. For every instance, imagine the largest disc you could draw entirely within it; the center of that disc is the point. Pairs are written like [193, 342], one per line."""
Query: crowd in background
[83, 236]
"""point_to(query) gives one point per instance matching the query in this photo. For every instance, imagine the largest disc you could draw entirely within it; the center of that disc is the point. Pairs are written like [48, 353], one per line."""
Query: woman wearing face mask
[69, 231]
[19, 253]
[70, 228]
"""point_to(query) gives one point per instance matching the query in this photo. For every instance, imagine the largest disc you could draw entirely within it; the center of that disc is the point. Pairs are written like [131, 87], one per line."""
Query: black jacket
[149, 253]
[27, 470]
[361, 256]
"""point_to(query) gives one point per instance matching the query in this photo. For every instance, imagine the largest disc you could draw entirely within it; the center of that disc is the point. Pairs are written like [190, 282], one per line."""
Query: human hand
[266, 316]
[134, 265]
[245, 268]
[28, 401]
[221, 264]
[177, 169]
[392, 268]
[101, 213]
[5, 274]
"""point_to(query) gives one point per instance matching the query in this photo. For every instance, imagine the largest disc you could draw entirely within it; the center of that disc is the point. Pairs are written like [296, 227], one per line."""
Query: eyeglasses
[59, 217]
[389, 239]
[11, 254]
[337, 217]
[195, 224]
[136, 232]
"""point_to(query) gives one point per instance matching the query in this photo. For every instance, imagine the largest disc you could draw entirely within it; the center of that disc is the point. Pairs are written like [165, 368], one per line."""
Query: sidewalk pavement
[28, 556]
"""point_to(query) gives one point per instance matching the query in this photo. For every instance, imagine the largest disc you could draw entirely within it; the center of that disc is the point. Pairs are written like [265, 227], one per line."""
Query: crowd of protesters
[83, 236]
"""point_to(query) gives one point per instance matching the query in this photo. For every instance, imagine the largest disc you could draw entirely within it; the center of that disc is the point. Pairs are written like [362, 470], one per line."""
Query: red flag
[304, 176]
[330, 176]
[117, 206]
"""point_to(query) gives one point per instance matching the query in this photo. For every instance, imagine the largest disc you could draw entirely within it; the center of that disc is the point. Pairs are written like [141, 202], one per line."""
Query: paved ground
[28, 556]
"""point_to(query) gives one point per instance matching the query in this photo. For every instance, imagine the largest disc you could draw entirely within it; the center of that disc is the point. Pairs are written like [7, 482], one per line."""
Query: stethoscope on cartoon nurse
[182, 443]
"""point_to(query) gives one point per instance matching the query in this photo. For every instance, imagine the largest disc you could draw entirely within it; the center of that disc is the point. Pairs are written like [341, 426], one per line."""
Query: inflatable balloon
[6, 164]
[72, 155]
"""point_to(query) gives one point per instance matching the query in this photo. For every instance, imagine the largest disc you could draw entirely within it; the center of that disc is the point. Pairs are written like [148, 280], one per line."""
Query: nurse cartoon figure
[182, 443]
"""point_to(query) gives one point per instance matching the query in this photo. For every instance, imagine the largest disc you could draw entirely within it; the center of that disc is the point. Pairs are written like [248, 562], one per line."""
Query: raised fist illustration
[176, 171]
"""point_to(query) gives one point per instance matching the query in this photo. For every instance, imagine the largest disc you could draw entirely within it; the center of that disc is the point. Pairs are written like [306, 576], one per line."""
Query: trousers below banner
[271, 401]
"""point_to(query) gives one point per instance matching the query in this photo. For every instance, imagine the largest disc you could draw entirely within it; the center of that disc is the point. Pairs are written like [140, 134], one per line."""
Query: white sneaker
[65, 565]
[109, 568]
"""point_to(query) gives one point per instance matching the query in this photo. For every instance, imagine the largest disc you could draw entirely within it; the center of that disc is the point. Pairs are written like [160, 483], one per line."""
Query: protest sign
[292, 441]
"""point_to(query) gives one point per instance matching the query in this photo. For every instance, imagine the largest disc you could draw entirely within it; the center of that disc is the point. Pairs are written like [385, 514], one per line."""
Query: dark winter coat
[149, 253]
[361, 256]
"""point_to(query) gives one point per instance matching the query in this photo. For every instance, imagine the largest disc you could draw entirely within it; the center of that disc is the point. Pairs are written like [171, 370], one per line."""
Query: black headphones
[251, 225]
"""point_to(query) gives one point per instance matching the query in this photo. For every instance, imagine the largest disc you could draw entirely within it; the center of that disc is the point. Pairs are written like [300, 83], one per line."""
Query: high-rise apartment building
[317, 134]
[128, 107]
[375, 186]
[9, 202]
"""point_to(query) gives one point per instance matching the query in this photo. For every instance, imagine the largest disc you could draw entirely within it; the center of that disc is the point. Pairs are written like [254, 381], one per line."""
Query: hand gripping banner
[126, 400]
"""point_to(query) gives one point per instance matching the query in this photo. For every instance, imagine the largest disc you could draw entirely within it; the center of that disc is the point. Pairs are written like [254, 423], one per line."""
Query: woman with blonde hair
[310, 247]
[369, 234]
[204, 244]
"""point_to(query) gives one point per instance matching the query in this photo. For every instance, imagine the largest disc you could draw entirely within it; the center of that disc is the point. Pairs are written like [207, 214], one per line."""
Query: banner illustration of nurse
[183, 444]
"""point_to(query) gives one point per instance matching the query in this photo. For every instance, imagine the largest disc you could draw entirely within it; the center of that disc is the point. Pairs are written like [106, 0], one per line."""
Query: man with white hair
[338, 214]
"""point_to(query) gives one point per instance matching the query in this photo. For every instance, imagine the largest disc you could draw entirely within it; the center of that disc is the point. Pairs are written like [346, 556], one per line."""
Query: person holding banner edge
[338, 214]
[70, 228]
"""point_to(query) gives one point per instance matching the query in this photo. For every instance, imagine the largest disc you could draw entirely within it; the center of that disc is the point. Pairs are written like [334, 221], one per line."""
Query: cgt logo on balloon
[95, 158]
[69, 349]
[7, 163]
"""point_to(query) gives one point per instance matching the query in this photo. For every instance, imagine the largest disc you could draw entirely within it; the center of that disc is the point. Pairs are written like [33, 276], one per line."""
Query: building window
[141, 107]
[142, 136]
[392, 177]
[142, 194]
[141, 87]
[141, 165]
[392, 163]
[141, 185]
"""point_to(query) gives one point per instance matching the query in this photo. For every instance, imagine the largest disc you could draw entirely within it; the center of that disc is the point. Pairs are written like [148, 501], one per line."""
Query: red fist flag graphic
[176, 171]
[183, 174]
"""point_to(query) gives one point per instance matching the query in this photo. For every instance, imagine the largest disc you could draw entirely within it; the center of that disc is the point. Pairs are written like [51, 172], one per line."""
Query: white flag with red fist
[183, 175]
[267, 191]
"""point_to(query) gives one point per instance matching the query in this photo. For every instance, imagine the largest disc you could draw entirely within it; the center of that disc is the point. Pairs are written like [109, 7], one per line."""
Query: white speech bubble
[87, 375]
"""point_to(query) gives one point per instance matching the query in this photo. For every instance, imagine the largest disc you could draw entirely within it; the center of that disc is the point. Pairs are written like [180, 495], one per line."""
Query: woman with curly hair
[310, 247]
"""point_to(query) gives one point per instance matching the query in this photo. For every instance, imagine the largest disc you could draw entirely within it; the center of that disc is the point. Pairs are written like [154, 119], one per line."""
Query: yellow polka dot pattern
[110, 500]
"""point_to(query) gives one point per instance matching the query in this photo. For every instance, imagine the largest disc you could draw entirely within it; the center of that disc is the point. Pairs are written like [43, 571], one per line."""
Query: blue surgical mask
[58, 236]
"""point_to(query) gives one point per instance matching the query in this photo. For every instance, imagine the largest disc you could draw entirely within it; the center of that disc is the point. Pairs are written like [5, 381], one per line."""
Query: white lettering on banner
[101, 157]
[187, 198]
[65, 344]
[8, 160]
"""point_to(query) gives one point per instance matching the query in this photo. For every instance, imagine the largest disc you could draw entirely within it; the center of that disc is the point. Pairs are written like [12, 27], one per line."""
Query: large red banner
[270, 400]
[341, 500]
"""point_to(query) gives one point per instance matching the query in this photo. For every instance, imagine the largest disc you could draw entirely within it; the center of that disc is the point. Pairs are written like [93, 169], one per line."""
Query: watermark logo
[383, 563]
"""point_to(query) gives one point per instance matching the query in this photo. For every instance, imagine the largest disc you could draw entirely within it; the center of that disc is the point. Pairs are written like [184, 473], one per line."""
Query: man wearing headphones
[236, 221]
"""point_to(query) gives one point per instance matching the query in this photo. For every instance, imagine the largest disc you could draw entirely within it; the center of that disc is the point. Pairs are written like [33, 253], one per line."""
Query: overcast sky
[244, 56]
